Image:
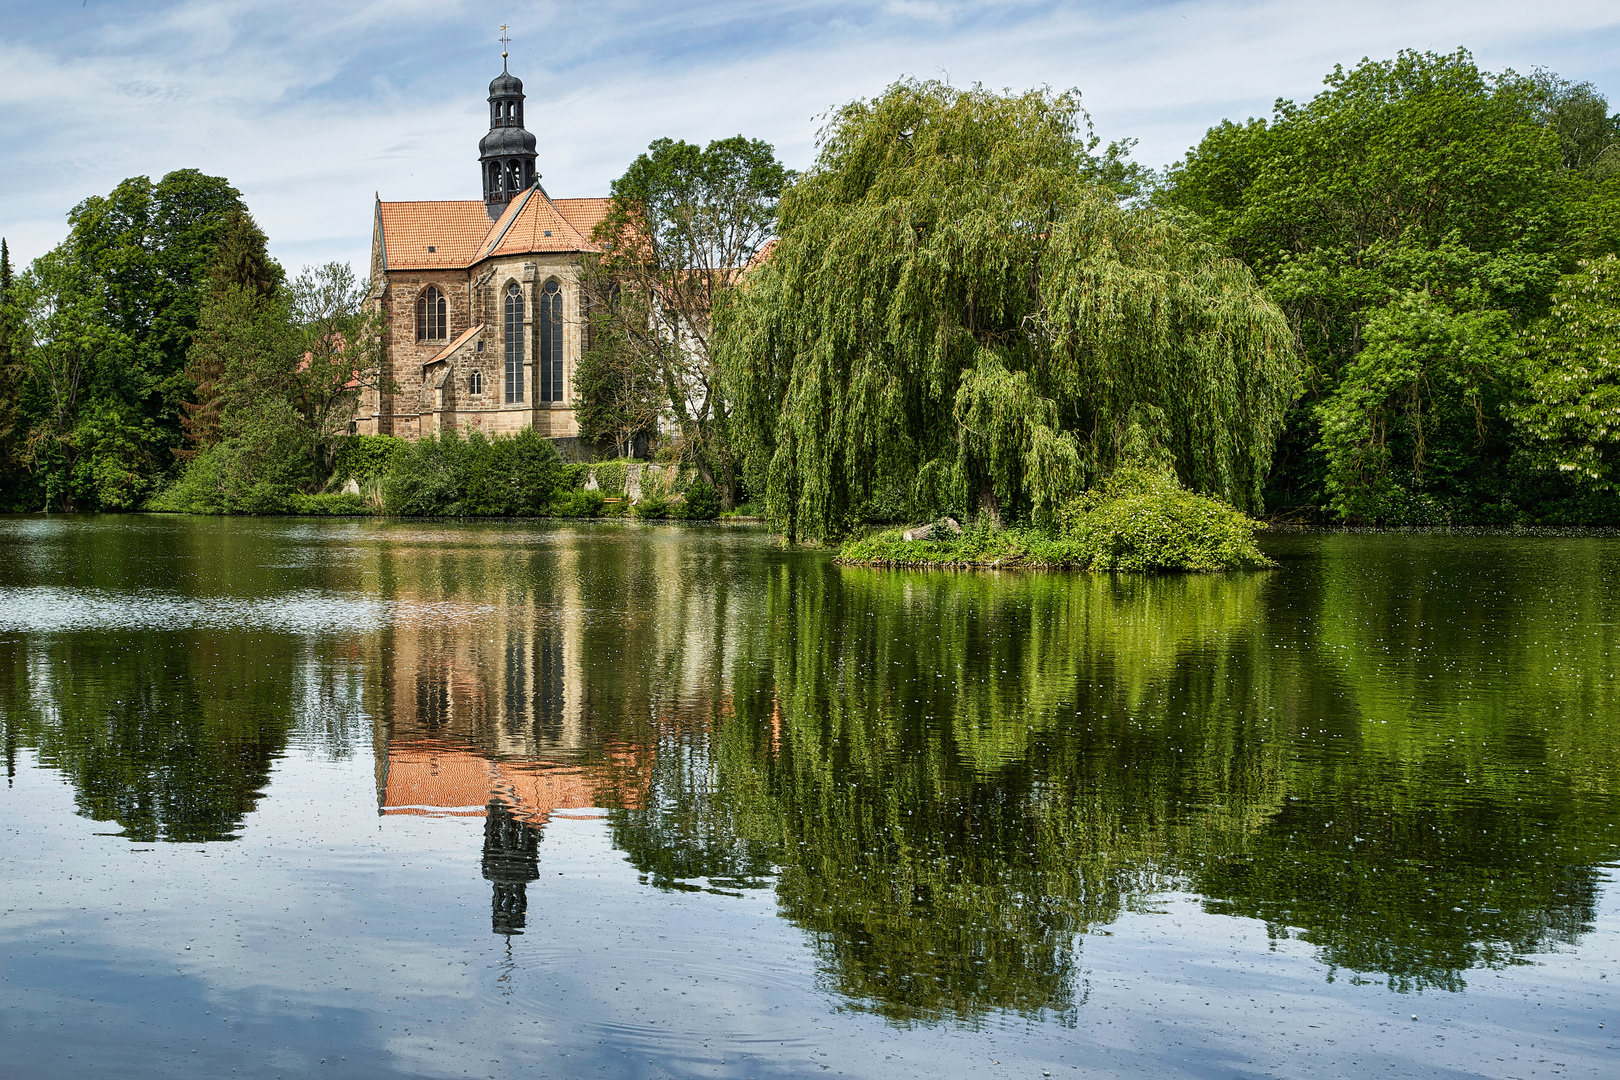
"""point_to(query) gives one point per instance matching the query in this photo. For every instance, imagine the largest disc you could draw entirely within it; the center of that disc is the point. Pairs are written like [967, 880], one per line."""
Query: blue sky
[310, 106]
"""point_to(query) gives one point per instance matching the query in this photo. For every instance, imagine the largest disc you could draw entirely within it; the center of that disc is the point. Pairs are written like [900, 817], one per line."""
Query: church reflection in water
[484, 720]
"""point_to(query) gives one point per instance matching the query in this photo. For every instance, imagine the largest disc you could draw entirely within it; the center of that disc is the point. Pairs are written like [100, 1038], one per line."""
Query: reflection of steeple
[511, 861]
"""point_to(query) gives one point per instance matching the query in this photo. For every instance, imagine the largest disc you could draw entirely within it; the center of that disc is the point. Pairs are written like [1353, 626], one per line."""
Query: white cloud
[310, 108]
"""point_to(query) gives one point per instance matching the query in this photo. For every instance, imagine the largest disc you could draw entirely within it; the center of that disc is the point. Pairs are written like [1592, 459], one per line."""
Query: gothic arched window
[514, 343]
[475, 383]
[432, 315]
[551, 342]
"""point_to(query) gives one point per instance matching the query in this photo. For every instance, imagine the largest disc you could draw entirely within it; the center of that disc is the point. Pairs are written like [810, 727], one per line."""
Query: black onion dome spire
[505, 85]
[506, 155]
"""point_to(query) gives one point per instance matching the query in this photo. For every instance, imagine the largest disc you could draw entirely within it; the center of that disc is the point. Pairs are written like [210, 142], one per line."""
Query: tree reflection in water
[1398, 750]
[958, 775]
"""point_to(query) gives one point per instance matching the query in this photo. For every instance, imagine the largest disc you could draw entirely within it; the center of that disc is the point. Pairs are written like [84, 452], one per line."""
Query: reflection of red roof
[441, 779]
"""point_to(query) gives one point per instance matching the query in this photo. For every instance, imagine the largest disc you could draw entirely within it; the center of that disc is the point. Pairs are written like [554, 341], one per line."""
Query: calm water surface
[291, 799]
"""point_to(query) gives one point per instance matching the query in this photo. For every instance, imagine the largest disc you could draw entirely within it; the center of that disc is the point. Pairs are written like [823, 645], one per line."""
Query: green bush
[572, 476]
[265, 498]
[328, 504]
[702, 503]
[252, 473]
[1137, 521]
[446, 475]
[579, 504]
[1142, 520]
[654, 506]
[363, 457]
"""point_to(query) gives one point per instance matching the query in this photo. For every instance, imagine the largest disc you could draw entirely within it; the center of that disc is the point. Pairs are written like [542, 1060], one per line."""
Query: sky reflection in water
[646, 801]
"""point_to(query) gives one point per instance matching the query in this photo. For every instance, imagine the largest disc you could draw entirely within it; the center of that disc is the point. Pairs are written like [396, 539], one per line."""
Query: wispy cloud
[311, 107]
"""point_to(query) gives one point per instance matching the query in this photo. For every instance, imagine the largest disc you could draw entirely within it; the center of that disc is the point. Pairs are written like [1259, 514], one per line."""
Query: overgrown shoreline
[449, 476]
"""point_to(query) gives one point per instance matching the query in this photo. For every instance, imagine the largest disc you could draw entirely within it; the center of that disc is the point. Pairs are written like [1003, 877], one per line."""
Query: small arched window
[551, 342]
[432, 315]
[514, 343]
[475, 383]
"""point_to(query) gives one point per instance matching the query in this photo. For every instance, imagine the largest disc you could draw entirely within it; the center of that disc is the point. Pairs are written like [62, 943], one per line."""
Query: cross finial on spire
[505, 41]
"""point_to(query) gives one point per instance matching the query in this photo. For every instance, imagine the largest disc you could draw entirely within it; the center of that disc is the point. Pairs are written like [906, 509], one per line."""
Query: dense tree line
[160, 332]
[1443, 242]
[1397, 302]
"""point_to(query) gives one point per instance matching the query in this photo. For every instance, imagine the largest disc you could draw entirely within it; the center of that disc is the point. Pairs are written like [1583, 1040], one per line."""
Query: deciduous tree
[960, 308]
[1571, 407]
[1421, 176]
[685, 224]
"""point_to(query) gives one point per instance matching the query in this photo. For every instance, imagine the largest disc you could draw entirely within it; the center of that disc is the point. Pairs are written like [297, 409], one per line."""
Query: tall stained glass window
[432, 315]
[551, 342]
[514, 343]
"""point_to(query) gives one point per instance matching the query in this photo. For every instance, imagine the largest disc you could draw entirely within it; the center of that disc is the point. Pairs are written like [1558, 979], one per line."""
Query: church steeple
[506, 154]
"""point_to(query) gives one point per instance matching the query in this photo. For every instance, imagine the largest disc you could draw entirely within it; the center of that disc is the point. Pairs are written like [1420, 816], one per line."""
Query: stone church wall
[414, 407]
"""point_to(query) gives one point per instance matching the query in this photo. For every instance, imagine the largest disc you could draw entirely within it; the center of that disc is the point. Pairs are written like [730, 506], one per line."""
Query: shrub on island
[1138, 520]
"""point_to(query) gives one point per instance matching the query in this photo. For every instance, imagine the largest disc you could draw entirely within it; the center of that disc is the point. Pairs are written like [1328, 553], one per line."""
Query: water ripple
[46, 609]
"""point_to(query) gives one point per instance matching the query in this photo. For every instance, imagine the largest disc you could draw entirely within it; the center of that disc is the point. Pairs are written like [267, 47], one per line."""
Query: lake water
[365, 799]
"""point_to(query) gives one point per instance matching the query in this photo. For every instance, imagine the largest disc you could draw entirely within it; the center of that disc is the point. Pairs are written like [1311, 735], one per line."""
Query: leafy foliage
[242, 262]
[959, 306]
[1571, 412]
[109, 317]
[685, 223]
[618, 386]
[449, 475]
[1143, 520]
[289, 367]
[1411, 410]
[610, 476]
[1136, 520]
[367, 457]
[1412, 219]
[13, 378]
[580, 504]
[701, 502]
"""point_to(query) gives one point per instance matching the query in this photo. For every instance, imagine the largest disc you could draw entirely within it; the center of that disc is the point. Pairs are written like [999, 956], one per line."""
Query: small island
[1138, 521]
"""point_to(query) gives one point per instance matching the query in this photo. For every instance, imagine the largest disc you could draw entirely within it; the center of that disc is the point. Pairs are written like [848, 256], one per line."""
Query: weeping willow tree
[959, 308]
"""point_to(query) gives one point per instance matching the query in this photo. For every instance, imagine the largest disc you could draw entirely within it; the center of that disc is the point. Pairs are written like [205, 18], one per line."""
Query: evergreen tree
[241, 262]
[12, 373]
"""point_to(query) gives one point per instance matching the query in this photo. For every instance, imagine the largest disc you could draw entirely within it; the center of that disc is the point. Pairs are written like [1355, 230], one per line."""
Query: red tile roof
[533, 224]
[455, 229]
[583, 214]
[461, 234]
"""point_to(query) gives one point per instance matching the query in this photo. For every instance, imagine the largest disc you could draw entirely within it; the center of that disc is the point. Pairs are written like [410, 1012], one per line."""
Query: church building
[483, 317]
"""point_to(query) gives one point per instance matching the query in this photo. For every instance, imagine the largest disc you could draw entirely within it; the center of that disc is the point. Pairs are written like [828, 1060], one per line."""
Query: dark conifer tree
[243, 262]
[11, 383]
